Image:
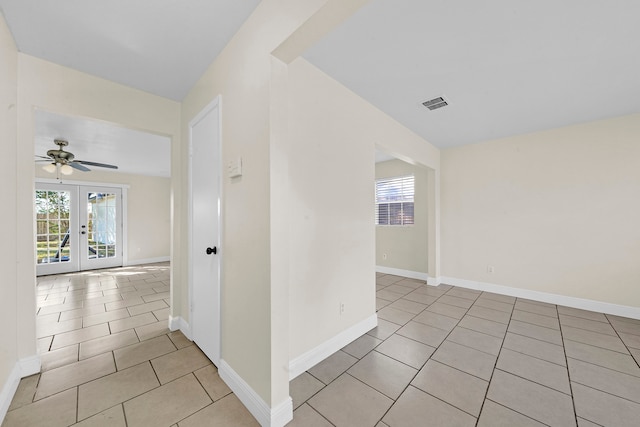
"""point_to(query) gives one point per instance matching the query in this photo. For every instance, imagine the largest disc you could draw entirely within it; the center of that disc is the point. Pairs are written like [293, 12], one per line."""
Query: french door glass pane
[101, 225]
[52, 222]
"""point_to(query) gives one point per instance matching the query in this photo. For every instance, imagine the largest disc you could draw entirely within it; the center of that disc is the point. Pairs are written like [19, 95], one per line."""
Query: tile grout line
[566, 359]
[77, 403]
[486, 393]
[77, 360]
[314, 410]
[623, 343]
[359, 359]
[603, 367]
[530, 355]
[424, 364]
[529, 380]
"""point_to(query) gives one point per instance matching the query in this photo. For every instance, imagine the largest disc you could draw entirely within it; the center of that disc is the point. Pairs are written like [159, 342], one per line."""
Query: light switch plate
[234, 168]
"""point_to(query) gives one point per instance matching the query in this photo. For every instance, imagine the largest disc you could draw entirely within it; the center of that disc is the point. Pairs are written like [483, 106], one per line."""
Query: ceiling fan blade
[46, 158]
[100, 165]
[79, 166]
[44, 161]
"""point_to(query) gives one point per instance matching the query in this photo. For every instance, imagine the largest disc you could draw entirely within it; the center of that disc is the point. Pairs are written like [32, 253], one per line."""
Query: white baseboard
[316, 355]
[8, 391]
[278, 416]
[404, 273]
[581, 303]
[282, 414]
[178, 323]
[147, 261]
[29, 366]
[434, 281]
[23, 368]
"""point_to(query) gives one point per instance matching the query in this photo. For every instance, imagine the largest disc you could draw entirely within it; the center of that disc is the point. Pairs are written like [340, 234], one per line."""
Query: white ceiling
[158, 46]
[134, 152]
[506, 67]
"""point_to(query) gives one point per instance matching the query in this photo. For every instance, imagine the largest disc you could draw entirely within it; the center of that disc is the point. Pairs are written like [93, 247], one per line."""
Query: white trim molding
[147, 261]
[277, 416]
[178, 323]
[124, 201]
[316, 355]
[83, 183]
[29, 366]
[23, 368]
[404, 273]
[567, 301]
[434, 281]
[9, 390]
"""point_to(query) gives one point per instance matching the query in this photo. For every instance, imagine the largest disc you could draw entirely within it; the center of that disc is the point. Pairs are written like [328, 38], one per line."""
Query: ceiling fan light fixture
[49, 167]
[66, 170]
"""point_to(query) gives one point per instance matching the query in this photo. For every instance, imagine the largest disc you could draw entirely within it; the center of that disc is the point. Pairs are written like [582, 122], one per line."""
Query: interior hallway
[441, 356]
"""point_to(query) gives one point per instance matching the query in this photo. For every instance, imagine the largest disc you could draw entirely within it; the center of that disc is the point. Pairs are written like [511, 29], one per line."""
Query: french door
[77, 228]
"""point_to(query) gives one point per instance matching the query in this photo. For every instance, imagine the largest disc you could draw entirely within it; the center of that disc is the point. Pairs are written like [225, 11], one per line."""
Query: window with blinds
[394, 200]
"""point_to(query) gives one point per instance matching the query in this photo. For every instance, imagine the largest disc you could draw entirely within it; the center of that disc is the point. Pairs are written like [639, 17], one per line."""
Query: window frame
[405, 184]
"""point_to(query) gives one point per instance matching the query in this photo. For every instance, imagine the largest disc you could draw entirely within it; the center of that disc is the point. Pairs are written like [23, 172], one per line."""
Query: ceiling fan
[64, 162]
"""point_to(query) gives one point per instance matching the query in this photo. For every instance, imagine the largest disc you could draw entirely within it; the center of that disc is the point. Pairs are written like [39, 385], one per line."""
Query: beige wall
[406, 247]
[148, 211]
[331, 173]
[8, 261]
[242, 76]
[554, 211]
[333, 135]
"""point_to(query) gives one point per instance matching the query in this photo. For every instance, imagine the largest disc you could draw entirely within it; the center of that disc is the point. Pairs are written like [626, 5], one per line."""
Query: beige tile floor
[446, 356]
[108, 358]
[440, 356]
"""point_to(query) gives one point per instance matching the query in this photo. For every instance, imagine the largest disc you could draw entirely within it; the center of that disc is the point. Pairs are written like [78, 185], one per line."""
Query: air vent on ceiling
[435, 103]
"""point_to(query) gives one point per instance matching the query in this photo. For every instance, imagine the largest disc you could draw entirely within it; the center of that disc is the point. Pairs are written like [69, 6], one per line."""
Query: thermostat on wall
[234, 168]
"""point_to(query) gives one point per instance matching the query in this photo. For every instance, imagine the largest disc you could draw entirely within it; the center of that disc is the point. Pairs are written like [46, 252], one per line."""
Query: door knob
[213, 250]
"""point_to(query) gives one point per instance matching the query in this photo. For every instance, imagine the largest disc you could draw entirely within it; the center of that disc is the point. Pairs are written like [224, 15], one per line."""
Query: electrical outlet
[490, 269]
[341, 308]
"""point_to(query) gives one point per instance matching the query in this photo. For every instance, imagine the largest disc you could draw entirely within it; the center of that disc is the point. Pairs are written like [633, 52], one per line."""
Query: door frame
[97, 263]
[213, 105]
[124, 188]
[73, 265]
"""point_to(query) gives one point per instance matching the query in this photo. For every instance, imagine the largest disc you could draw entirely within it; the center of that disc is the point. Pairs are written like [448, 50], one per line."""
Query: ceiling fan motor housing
[61, 156]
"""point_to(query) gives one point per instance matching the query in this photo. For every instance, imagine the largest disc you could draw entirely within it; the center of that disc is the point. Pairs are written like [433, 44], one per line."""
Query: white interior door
[204, 277]
[77, 228]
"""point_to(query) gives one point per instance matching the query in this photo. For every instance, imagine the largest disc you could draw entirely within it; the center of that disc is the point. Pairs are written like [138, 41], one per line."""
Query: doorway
[77, 228]
[204, 229]
[400, 250]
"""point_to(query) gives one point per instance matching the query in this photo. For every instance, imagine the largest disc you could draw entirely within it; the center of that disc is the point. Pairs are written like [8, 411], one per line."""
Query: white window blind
[394, 200]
